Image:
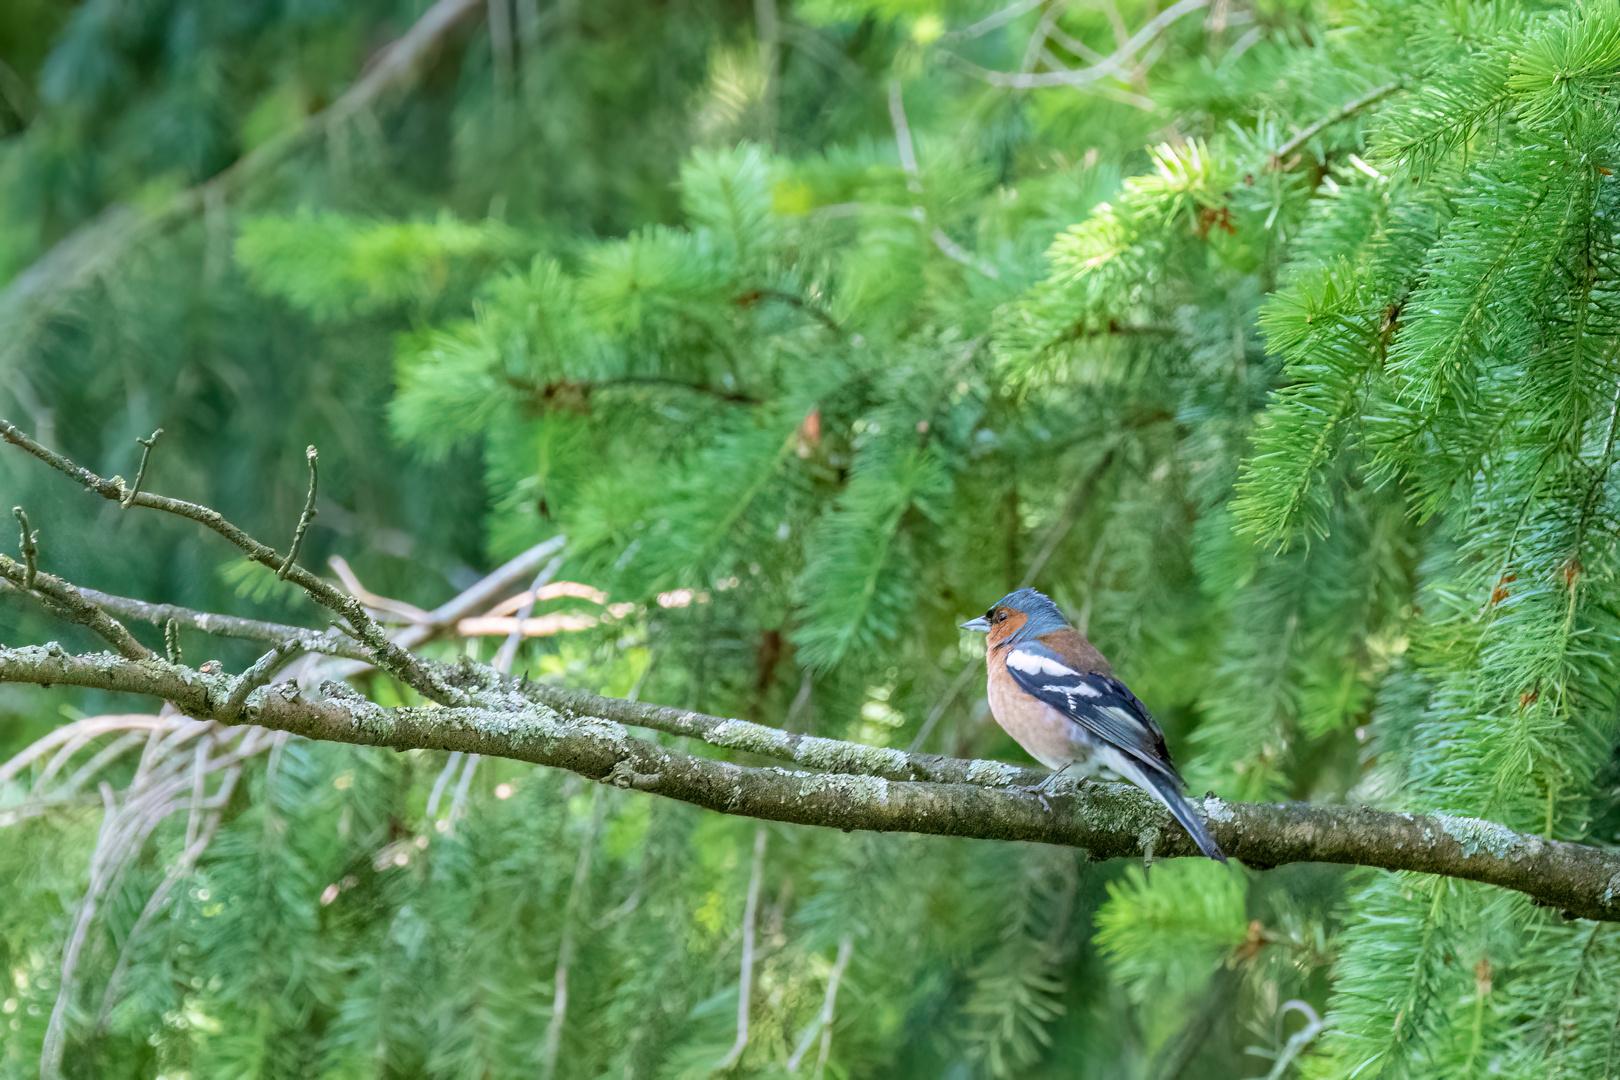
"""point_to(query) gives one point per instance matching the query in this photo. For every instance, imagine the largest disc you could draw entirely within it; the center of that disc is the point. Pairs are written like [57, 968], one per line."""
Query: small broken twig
[29, 551]
[263, 670]
[303, 519]
[140, 472]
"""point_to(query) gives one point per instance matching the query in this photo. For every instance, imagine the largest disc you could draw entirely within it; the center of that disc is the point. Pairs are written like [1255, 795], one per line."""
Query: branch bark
[1107, 820]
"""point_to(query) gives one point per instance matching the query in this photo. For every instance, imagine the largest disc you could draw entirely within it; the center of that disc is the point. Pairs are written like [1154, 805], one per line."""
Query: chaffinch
[1052, 691]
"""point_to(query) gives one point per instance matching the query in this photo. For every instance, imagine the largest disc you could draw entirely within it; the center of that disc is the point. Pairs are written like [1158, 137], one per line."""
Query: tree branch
[1107, 820]
[1348, 109]
[1109, 67]
[382, 652]
[67, 602]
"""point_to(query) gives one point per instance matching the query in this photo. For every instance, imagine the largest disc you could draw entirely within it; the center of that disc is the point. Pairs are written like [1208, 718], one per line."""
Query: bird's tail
[1167, 789]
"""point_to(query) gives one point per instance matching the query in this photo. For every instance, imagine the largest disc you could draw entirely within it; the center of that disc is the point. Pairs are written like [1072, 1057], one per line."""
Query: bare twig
[957, 685]
[824, 1020]
[154, 904]
[447, 616]
[303, 519]
[908, 162]
[1071, 511]
[1342, 112]
[451, 764]
[381, 651]
[140, 472]
[508, 651]
[1043, 30]
[50, 1059]
[263, 670]
[1111, 66]
[481, 595]
[458, 803]
[745, 988]
[565, 944]
[503, 665]
[993, 21]
[29, 546]
[375, 601]
[327, 642]
[68, 602]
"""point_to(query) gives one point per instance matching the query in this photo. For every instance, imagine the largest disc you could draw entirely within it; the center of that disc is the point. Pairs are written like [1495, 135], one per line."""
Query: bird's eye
[1001, 616]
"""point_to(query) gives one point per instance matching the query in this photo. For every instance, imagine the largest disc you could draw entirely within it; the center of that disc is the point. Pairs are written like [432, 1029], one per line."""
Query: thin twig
[30, 550]
[451, 763]
[1071, 510]
[50, 1057]
[381, 651]
[1342, 112]
[908, 162]
[508, 651]
[993, 21]
[154, 905]
[303, 519]
[746, 987]
[1043, 30]
[101, 243]
[458, 802]
[263, 670]
[957, 685]
[140, 472]
[376, 602]
[824, 1020]
[1110, 67]
[565, 942]
[66, 601]
[171, 640]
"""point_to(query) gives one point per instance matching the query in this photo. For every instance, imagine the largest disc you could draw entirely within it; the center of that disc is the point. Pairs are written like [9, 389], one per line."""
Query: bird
[1053, 692]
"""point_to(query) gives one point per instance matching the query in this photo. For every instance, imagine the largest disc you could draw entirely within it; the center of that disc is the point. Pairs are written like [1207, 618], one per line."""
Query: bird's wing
[1099, 703]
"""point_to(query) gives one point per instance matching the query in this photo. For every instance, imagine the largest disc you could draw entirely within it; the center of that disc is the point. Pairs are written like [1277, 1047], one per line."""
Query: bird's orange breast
[1045, 733]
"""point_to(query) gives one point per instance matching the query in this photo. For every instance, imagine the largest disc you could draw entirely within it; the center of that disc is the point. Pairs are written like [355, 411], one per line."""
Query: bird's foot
[1035, 790]
[1045, 787]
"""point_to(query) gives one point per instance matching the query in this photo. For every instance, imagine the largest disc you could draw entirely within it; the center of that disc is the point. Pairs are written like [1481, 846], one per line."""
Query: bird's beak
[981, 624]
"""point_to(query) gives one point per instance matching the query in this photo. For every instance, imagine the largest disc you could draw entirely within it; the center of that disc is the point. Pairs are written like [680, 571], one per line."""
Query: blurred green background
[1276, 340]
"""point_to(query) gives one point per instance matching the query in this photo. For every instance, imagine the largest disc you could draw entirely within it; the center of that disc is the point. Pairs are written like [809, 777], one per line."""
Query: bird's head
[1019, 616]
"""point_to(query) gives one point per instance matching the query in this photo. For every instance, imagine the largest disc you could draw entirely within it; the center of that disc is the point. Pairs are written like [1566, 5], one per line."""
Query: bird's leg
[1041, 789]
[1051, 779]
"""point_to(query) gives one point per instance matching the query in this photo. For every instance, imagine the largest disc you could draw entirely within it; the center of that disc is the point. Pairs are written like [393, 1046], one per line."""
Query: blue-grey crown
[1041, 615]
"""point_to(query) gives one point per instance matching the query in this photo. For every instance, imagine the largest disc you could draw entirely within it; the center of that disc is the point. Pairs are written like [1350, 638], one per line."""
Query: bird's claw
[1035, 790]
[1040, 795]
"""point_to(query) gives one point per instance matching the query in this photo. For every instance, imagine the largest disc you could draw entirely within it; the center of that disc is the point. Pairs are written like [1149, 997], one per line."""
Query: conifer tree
[1277, 342]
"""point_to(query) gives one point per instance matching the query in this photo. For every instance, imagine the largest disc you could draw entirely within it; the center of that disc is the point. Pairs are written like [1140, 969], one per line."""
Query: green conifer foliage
[1281, 351]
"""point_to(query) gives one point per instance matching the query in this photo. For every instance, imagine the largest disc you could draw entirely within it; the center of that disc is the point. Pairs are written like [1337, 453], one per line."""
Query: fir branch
[1106, 820]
